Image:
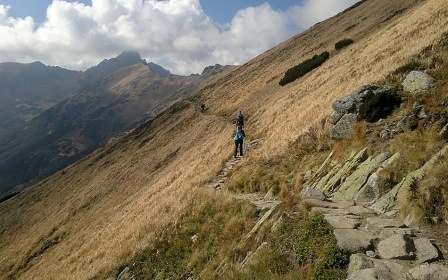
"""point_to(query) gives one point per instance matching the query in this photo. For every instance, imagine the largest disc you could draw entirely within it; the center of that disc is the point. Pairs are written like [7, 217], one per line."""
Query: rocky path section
[261, 202]
[381, 246]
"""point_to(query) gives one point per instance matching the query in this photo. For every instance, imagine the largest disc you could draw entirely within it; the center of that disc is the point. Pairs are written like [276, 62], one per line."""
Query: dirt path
[261, 202]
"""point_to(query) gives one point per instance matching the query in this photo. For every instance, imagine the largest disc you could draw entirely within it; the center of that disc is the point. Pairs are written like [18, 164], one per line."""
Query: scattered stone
[418, 82]
[429, 272]
[347, 221]
[335, 117]
[334, 204]
[342, 203]
[408, 123]
[398, 246]
[344, 127]
[376, 224]
[390, 231]
[384, 270]
[359, 261]
[371, 254]
[310, 193]
[353, 240]
[360, 210]
[426, 252]
[194, 238]
[330, 211]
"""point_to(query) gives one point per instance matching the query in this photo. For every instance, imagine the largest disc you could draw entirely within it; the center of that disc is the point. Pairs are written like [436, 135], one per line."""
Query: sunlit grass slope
[86, 221]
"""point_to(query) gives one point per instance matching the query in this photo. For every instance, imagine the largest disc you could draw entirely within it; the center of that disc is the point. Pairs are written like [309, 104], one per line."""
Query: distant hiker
[238, 138]
[203, 108]
[240, 120]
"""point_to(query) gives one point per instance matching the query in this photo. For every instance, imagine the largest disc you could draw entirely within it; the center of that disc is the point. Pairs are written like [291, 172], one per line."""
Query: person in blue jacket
[239, 139]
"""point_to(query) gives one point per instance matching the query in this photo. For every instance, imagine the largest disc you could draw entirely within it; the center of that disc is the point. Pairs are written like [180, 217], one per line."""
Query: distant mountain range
[51, 117]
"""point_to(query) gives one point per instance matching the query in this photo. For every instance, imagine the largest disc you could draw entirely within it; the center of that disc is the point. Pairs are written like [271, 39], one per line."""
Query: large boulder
[368, 102]
[399, 246]
[344, 127]
[418, 82]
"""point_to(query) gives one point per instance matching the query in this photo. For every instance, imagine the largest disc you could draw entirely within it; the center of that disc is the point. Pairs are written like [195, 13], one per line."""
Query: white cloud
[175, 34]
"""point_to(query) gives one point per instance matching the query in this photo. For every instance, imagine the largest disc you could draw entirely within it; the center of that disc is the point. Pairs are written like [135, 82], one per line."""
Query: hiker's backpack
[238, 135]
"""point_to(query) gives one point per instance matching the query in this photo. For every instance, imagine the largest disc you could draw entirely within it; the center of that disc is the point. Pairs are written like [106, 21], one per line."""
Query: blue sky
[183, 36]
[221, 11]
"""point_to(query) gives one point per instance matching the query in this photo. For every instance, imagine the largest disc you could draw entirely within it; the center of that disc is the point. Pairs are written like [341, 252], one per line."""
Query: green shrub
[307, 242]
[343, 43]
[306, 66]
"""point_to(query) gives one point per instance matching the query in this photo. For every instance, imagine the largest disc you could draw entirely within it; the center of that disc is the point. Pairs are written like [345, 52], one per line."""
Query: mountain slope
[26, 90]
[80, 124]
[88, 220]
[29, 89]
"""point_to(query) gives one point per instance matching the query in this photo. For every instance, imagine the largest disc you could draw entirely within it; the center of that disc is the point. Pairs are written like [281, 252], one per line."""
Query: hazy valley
[96, 105]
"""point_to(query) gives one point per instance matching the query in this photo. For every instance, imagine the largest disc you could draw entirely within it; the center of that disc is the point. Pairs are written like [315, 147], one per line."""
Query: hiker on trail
[202, 108]
[238, 138]
[240, 120]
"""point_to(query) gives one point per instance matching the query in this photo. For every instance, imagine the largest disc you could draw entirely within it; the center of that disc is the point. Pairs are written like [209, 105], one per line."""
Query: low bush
[306, 66]
[343, 43]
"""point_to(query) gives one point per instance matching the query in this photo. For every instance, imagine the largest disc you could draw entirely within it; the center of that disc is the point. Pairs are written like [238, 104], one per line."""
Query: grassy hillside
[133, 195]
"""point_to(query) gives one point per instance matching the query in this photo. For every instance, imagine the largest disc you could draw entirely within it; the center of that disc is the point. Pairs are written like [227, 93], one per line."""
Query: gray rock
[344, 127]
[366, 101]
[426, 252]
[398, 246]
[429, 272]
[382, 270]
[330, 211]
[335, 117]
[311, 193]
[375, 224]
[344, 105]
[332, 181]
[390, 231]
[356, 185]
[347, 221]
[418, 82]
[330, 203]
[359, 261]
[408, 123]
[359, 210]
[353, 240]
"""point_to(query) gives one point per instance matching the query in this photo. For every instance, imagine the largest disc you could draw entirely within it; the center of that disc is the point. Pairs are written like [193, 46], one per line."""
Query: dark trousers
[240, 144]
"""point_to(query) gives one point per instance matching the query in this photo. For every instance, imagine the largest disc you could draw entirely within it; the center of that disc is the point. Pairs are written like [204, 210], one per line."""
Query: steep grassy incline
[96, 214]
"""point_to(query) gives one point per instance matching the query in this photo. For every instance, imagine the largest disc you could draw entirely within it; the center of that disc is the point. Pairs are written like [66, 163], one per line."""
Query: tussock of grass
[210, 236]
[202, 238]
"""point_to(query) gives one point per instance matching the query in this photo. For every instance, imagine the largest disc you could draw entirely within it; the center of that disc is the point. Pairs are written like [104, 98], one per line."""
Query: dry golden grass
[85, 222]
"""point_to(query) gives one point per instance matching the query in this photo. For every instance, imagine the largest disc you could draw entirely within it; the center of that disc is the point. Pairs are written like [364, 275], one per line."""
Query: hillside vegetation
[140, 200]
